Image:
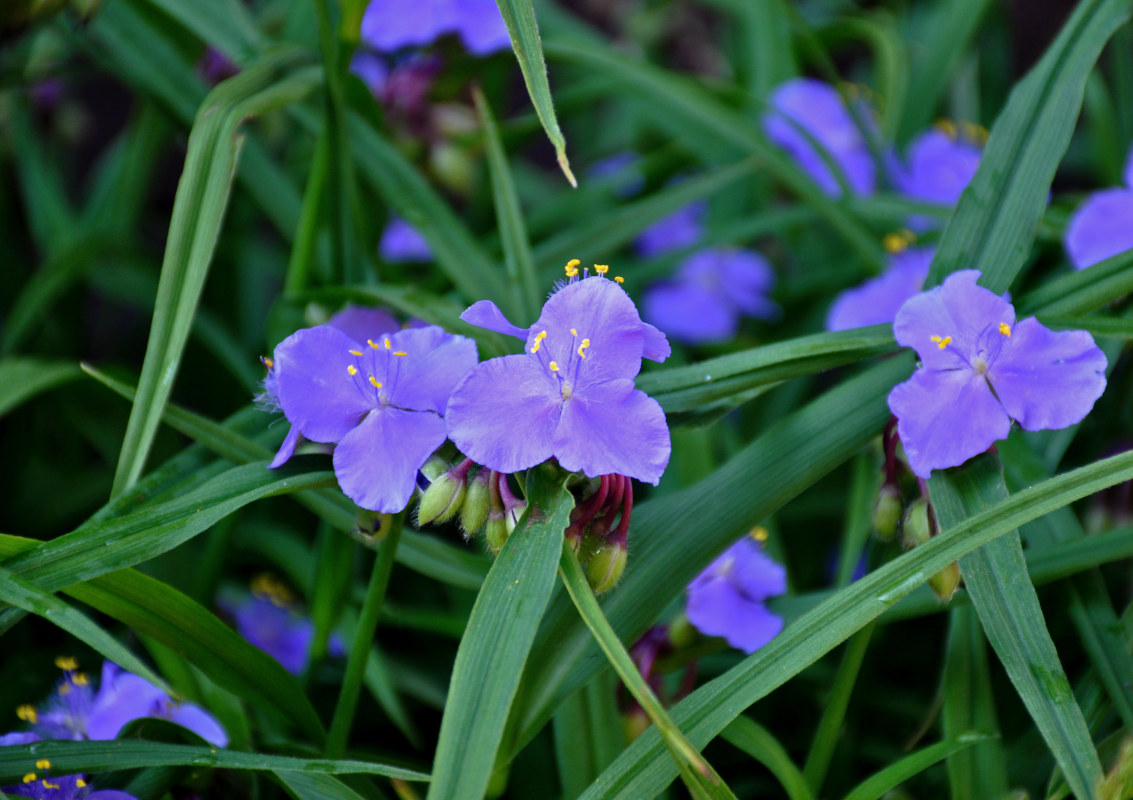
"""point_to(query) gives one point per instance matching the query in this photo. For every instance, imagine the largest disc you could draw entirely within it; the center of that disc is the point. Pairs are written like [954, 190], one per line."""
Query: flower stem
[579, 589]
[363, 637]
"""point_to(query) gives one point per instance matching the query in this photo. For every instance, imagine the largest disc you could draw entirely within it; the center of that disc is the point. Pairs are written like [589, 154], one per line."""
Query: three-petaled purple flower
[727, 598]
[939, 165]
[980, 370]
[805, 104]
[1103, 225]
[682, 228]
[571, 394]
[380, 400]
[709, 293]
[878, 299]
[390, 25]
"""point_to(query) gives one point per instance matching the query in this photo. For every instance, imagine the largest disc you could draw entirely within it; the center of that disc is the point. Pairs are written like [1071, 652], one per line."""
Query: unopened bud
[495, 531]
[474, 512]
[946, 582]
[634, 723]
[453, 167]
[915, 528]
[513, 514]
[606, 566]
[681, 632]
[443, 498]
[434, 467]
[887, 512]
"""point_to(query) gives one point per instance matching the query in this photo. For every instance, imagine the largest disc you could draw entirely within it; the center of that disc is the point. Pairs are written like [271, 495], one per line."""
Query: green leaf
[994, 223]
[226, 25]
[496, 643]
[316, 787]
[1003, 596]
[519, 16]
[755, 740]
[875, 787]
[644, 768]
[588, 734]
[115, 754]
[21, 379]
[198, 211]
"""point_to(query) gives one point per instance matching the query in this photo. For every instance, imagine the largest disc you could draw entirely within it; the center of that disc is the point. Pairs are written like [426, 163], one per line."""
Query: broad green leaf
[102, 756]
[519, 16]
[994, 223]
[1008, 608]
[876, 786]
[21, 379]
[757, 742]
[202, 196]
[496, 644]
[644, 769]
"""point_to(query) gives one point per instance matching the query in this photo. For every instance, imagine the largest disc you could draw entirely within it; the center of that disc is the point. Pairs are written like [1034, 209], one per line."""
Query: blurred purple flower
[939, 165]
[682, 228]
[1102, 226]
[214, 66]
[402, 242]
[41, 786]
[710, 291]
[817, 108]
[878, 299]
[621, 169]
[979, 370]
[390, 25]
[372, 69]
[381, 402]
[77, 712]
[570, 395]
[727, 598]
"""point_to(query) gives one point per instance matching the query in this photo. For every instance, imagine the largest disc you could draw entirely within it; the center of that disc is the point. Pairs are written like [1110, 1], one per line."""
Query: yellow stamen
[27, 713]
[894, 243]
[268, 362]
[1005, 329]
[942, 342]
[976, 134]
[574, 262]
[81, 679]
[375, 382]
[619, 279]
[759, 533]
[30, 777]
[66, 662]
[401, 353]
[539, 337]
[573, 332]
[583, 346]
[80, 783]
[43, 763]
[387, 344]
[572, 267]
[47, 785]
[601, 269]
[371, 343]
[352, 369]
[355, 352]
[553, 367]
[948, 127]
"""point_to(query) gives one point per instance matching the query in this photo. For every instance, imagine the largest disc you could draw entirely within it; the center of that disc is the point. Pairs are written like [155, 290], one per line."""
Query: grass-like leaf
[21, 379]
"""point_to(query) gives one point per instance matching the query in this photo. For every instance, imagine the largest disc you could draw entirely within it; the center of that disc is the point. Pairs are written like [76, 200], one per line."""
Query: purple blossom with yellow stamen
[571, 395]
[380, 401]
[40, 785]
[980, 370]
[727, 598]
[1102, 226]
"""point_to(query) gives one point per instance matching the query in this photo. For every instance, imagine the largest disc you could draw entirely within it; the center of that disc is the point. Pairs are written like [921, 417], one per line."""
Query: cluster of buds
[600, 545]
[479, 500]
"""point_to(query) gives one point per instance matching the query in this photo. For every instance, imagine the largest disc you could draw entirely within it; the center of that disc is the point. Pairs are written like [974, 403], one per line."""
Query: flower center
[366, 364]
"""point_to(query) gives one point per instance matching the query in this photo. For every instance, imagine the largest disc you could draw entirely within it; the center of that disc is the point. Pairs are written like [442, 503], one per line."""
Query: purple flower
[940, 164]
[1103, 225]
[727, 598]
[682, 228]
[979, 370]
[372, 69]
[878, 299]
[623, 170]
[401, 242]
[68, 787]
[817, 109]
[390, 25]
[77, 712]
[380, 401]
[570, 395]
[710, 291]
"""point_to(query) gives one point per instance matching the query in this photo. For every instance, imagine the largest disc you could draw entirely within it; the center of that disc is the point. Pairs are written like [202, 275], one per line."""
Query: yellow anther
[80, 783]
[66, 663]
[267, 362]
[401, 353]
[353, 370]
[759, 533]
[894, 243]
[582, 347]
[948, 127]
[976, 134]
[573, 332]
[266, 587]
[81, 679]
[43, 763]
[942, 342]
[553, 367]
[355, 352]
[572, 267]
[375, 382]
[387, 344]
[371, 343]
[27, 713]
[619, 279]
[30, 777]
[47, 785]
[1005, 329]
[574, 262]
[601, 269]
[539, 337]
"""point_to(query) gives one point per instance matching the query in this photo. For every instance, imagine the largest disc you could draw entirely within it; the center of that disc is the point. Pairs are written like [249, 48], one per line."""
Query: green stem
[363, 637]
[587, 605]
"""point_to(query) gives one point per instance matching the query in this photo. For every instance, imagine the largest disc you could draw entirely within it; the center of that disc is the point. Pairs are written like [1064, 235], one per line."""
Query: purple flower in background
[381, 401]
[372, 69]
[623, 170]
[1103, 225]
[939, 165]
[570, 395]
[727, 598]
[878, 299]
[41, 786]
[401, 242]
[390, 25]
[682, 228]
[979, 370]
[817, 108]
[710, 291]
[77, 712]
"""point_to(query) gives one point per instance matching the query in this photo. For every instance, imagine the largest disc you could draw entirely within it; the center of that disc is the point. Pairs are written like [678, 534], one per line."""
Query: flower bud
[634, 723]
[443, 498]
[887, 512]
[453, 167]
[513, 513]
[434, 468]
[681, 632]
[474, 512]
[606, 566]
[946, 582]
[495, 531]
[915, 528]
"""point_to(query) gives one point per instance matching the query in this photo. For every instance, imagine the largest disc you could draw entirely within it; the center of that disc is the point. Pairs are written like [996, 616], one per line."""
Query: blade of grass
[755, 740]
[876, 786]
[21, 379]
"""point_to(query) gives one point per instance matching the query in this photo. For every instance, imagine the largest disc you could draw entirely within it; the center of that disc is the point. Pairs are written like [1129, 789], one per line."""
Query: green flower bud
[606, 567]
[435, 467]
[442, 499]
[887, 512]
[946, 582]
[495, 531]
[513, 514]
[453, 167]
[681, 632]
[915, 527]
[477, 499]
[634, 723]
